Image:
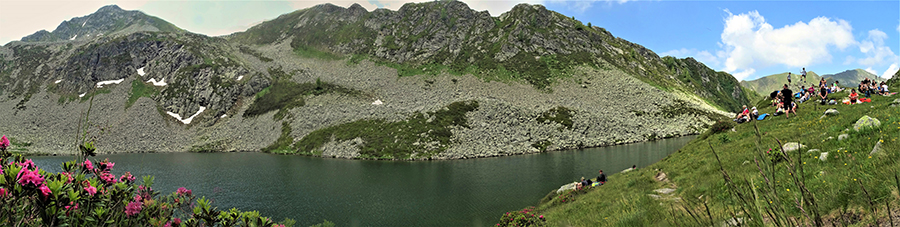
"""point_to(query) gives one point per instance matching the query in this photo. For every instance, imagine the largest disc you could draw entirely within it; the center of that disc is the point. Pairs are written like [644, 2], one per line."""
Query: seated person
[854, 98]
[823, 93]
[754, 113]
[743, 115]
[601, 178]
[885, 87]
[791, 109]
[835, 88]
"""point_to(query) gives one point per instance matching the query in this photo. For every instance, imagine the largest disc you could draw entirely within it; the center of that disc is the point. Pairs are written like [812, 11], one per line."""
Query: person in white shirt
[803, 74]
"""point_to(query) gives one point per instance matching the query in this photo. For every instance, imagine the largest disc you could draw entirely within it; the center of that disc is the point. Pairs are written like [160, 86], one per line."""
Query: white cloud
[890, 71]
[750, 43]
[875, 50]
[743, 74]
[872, 71]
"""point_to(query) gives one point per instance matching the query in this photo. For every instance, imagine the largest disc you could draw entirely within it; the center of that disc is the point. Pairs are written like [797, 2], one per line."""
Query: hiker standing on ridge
[789, 77]
[803, 75]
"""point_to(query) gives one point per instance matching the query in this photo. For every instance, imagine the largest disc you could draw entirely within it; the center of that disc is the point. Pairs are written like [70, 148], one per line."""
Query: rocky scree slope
[528, 43]
[290, 84]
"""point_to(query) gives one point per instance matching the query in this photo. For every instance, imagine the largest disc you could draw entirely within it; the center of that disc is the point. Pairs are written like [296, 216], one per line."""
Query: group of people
[869, 87]
[600, 180]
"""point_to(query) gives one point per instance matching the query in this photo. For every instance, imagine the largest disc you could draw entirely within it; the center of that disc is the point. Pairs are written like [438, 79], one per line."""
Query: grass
[283, 143]
[284, 95]
[140, 89]
[419, 136]
[717, 177]
[561, 115]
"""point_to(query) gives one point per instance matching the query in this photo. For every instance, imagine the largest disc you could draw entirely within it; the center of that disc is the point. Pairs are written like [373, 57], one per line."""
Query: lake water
[473, 192]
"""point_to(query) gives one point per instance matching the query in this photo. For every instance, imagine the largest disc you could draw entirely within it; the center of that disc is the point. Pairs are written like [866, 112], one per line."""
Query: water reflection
[377, 193]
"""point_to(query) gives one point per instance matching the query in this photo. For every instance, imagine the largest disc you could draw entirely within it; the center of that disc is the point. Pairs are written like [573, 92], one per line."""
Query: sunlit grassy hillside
[747, 182]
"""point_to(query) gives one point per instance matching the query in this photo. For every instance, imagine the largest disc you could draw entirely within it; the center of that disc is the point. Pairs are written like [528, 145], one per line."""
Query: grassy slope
[836, 183]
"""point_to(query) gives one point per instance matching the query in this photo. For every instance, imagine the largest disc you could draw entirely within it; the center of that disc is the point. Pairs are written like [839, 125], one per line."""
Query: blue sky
[748, 39]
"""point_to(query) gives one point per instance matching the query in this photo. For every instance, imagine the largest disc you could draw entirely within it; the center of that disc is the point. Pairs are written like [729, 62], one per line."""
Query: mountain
[107, 20]
[851, 78]
[528, 43]
[433, 80]
[765, 85]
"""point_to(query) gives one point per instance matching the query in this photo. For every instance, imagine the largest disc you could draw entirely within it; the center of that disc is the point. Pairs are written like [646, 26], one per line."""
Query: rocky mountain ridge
[479, 86]
[847, 78]
[107, 20]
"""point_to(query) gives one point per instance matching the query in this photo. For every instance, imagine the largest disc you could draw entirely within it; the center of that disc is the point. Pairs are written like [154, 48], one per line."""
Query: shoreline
[39, 154]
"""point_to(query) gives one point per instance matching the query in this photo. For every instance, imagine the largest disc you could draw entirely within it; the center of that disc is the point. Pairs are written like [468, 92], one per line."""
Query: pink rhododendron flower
[30, 177]
[108, 178]
[28, 164]
[184, 192]
[176, 221]
[68, 177]
[45, 190]
[106, 165]
[3, 192]
[88, 165]
[277, 225]
[4, 143]
[127, 177]
[72, 206]
[91, 190]
[133, 208]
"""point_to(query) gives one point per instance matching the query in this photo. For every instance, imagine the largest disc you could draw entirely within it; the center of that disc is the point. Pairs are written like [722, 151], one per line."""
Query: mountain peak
[108, 20]
[110, 8]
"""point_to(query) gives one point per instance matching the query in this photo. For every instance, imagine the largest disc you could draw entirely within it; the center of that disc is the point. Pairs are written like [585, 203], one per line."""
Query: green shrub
[525, 217]
[395, 140]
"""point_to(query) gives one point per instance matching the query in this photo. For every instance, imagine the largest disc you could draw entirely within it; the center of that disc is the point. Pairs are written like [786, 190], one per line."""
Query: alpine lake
[472, 192]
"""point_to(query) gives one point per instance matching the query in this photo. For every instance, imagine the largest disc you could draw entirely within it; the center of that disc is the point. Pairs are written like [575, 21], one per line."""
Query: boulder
[876, 149]
[832, 112]
[843, 137]
[823, 156]
[567, 187]
[792, 146]
[866, 122]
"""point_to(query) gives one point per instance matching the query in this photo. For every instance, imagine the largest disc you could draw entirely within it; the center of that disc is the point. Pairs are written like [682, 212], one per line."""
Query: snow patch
[101, 83]
[85, 22]
[223, 115]
[240, 77]
[141, 71]
[73, 37]
[57, 81]
[188, 120]
[159, 83]
[377, 102]
[82, 94]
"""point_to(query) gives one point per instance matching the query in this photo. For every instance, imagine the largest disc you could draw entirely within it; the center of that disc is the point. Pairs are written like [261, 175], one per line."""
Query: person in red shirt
[854, 98]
